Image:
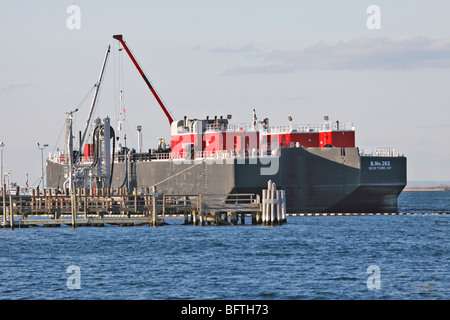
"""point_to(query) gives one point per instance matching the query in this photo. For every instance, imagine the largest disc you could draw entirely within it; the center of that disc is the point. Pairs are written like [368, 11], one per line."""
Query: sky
[386, 71]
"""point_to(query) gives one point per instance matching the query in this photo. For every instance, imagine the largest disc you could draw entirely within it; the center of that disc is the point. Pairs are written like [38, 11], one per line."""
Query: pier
[122, 207]
[108, 206]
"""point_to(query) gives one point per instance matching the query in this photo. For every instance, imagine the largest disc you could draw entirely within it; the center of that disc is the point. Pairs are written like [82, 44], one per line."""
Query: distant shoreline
[426, 188]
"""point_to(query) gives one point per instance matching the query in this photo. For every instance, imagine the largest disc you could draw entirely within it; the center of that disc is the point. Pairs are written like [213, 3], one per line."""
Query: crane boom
[119, 37]
[94, 100]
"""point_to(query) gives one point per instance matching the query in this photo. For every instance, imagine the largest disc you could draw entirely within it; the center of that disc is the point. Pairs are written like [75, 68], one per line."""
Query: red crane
[120, 38]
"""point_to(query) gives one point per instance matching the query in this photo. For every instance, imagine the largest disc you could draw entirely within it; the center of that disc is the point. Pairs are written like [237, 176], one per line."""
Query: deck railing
[378, 152]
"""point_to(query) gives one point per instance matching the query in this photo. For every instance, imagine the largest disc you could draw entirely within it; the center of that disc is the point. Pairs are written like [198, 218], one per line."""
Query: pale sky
[304, 59]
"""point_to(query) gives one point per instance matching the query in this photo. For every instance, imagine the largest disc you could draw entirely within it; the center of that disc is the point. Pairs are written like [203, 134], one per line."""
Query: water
[424, 201]
[307, 258]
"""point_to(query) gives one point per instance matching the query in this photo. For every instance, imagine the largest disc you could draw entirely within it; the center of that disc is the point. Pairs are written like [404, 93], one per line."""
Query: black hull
[315, 179]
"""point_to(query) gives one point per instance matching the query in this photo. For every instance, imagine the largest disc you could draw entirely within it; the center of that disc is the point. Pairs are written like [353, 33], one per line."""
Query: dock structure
[273, 205]
[120, 207]
[107, 206]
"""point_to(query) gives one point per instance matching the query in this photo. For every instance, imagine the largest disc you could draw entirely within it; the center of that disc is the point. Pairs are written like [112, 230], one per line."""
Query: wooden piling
[242, 218]
[194, 218]
[85, 203]
[264, 207]
[154, 211]
[11, 212]
[217, 217]
[44, 196]
[273, 206]
[199, 210]
[272, 203]
[233, 217]
[164, 208]
[269, 202]
[201, 219]
[278, 207]
[146, 203]
[4, 203]
[255, 215]
[73, 205]
[135, 200]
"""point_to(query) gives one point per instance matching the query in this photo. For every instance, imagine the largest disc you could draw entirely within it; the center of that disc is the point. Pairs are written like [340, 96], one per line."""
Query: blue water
[307, 258]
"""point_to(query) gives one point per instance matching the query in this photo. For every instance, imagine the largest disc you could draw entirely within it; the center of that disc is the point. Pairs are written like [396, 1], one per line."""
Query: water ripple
[308, 258]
